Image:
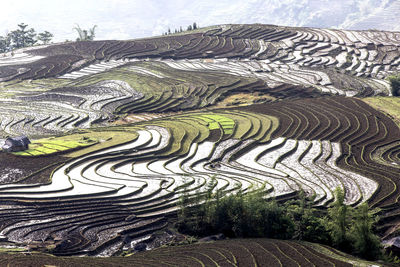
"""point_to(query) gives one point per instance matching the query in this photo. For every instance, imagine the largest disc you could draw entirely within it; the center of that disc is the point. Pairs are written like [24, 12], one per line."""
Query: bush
[395, 84]
[309, 222]
[250, 215]
[338, 222]
[235, 216]
[351, 229]
[365, 243]
[263, 218]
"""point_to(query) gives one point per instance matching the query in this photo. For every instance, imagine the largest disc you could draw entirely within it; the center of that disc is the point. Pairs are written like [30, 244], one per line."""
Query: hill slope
[62, 86]
[227, 108]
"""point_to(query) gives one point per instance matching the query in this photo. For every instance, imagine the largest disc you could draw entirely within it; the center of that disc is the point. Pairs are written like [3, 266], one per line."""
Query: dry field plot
[86, 187]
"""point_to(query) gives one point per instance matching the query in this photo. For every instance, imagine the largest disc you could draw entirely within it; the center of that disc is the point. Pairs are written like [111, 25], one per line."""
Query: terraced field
[90, 186]
[248, 252]
[81, 83]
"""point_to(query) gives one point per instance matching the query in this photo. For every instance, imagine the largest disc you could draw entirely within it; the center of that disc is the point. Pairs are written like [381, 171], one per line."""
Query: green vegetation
[12, 249]
[106, 139]
[85, 35]
[52, 145]
[237, 216]
[191, 27]
[348, 229]
[250, 215]
[309, 223]
[216, 121]
[339, 223]
[386, 104]
[81, 143]
[23, 37]
[254, 151]
[351, 229]
[365, 243]
[395, 84]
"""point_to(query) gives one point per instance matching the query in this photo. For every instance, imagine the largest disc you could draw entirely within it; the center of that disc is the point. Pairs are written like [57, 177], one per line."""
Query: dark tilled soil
[29, 170]
[359, 129]
[242, 252]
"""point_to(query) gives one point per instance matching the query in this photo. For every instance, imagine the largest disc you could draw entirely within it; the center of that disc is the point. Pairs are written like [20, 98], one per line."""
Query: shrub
[351, 229]
[338, 222]
[309, 222]
[266, 218]
[236, 216]
[395, 84]
[365, 243]
[250, 215]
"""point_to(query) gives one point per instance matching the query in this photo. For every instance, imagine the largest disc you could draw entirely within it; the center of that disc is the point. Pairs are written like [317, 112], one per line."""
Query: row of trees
[345, 228]
[191, 27]
[23, 37]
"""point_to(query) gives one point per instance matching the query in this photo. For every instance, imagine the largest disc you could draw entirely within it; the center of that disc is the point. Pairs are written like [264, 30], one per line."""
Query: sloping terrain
[80, 83]
[87, 190]
[247, 252]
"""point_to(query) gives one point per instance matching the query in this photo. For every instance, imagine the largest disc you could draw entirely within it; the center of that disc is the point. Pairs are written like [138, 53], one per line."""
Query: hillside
[122, 129]
[245, 252]
[187, 71]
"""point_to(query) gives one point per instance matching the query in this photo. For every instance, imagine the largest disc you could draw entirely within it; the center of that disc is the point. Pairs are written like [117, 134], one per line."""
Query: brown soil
[244, 99]
[240, 252]
[358, 127]
[27, 170]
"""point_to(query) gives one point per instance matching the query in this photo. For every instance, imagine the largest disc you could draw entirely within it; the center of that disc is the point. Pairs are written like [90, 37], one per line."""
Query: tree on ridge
[85, 35]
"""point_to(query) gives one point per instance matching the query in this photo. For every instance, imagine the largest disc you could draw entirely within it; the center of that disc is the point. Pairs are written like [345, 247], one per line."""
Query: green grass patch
[216, 121]
[243, 124]
[339, 255]
[106, 138]
[22, 153]
[48, 146]
[51, 145]
[386, 104]
[11, 249]
[79, 144]
[46, 150]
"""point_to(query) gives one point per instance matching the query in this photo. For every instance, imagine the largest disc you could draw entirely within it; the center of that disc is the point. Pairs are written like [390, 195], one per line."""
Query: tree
[92, 32]
[194, 26]
[395, 84]
[82, 33]
[365, 243]
[45, 37]
[85, 35]
[338, 222]
[308, 224]
[5, 44]
[21, 37]
[189, 28]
